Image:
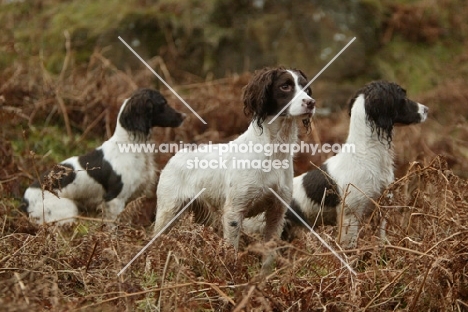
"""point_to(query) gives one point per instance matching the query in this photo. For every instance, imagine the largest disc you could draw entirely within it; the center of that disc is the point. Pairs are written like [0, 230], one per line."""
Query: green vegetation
[64, 74]
[52, 143]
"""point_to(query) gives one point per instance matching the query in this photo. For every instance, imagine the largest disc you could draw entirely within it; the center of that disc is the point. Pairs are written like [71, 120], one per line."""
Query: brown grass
[422, 267]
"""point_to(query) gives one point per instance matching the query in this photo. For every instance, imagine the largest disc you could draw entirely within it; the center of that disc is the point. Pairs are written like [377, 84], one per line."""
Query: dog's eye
[286, 87]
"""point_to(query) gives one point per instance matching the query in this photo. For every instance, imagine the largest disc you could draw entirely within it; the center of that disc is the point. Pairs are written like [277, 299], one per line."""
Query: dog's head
[145, 109]
[274, 91]
[386, 106]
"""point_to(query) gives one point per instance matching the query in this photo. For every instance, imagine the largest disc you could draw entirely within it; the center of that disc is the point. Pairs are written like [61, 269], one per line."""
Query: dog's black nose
[310, 103]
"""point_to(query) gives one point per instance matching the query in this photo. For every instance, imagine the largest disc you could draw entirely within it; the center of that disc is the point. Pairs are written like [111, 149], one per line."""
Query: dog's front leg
[113, 208]
[274, 222]
[232, 223]
[349, 230]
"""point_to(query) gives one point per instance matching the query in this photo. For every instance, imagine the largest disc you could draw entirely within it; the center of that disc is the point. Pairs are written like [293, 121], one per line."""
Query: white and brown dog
[107, 175]
[242, 191]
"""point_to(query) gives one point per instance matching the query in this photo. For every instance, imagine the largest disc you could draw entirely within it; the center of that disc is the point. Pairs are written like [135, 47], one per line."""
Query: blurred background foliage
[64, 74]
[409, 41]
[64, 71]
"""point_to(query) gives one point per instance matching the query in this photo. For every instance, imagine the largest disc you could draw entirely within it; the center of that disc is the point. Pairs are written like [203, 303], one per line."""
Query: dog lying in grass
[106, 176]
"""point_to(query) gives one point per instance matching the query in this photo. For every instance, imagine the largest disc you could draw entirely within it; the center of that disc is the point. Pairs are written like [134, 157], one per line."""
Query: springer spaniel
[357, 177]
[105, 175]
[242, 192]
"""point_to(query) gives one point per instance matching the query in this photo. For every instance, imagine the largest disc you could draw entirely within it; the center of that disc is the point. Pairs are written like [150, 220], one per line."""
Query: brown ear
[302, 74]
[257, 93]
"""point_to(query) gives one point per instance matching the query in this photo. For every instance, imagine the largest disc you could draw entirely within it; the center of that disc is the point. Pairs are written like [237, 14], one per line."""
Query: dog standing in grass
[342, 189]
[243, 192]
[106, 176]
